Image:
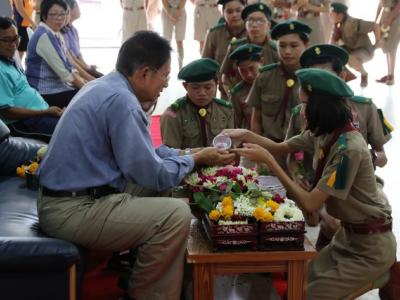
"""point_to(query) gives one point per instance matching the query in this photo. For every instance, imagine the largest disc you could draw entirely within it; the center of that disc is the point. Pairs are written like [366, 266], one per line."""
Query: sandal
[383, 79]
[390, 80]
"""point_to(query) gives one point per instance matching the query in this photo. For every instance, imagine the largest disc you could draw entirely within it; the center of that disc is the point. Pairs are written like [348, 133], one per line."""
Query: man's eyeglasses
[166, 77]
[58, 16]
[9, 41]
[256, 21]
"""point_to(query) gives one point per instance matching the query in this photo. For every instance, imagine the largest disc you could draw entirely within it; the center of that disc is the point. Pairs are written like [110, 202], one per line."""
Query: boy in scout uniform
[173, 16]
[195, 119]
[352, 34]
[364, 248]
[219, 36]
[257, 19]
[133, 17]
[275, 91]
[366, 118]
[390, 28]
[249, 60]
[206, 15]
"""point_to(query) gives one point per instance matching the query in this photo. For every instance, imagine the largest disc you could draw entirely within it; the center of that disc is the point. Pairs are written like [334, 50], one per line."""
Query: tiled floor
[100, 47]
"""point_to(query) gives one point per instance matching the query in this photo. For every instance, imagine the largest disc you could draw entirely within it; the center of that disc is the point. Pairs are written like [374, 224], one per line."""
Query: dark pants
[40, 128]
[60, 99]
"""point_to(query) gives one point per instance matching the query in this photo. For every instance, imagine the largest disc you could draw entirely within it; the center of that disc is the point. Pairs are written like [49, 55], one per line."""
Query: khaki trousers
[158, 227]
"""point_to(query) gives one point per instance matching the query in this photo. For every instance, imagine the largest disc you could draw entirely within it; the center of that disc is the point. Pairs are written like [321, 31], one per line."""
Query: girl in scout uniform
[390, 27]
[133, 17]
[364, 248]
[257, 19]
[206, 15]
[352, 34]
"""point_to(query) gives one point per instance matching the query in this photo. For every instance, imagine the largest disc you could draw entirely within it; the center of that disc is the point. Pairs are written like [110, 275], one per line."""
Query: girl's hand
[255, 153]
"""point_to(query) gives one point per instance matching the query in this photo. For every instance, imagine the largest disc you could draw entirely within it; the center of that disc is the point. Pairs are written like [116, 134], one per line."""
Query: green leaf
[203, 201]
[236, 188]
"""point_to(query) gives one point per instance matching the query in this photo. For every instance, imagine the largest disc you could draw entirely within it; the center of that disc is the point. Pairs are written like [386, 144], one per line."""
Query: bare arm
[82, 72]
[17, 113]
[324, 8]
[19, 5]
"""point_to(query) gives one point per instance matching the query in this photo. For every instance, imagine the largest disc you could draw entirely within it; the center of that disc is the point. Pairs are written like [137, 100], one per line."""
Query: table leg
[203, 282]
[297, 280]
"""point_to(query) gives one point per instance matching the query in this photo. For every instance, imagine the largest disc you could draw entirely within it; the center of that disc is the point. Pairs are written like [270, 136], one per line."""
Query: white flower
[210, 171]
[208, 184]
[244, 206]
[221, 179]
[288, 213]
[193, 179]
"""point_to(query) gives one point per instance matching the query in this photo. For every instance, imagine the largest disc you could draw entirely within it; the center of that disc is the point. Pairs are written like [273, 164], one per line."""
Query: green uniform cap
[339, 7]
[223, 2]
[288, 27]
[323, 82]
[246, 52]
[199, 70]
[256, 7]
[323, 51]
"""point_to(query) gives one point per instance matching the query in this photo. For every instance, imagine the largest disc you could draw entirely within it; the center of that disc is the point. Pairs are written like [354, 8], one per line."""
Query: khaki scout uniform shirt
[206, 15]
[229, 68]
[238, 97]
[133, 17]
[217, 42]
[391, 43]
[180, 123]
[355, 34]
[267, 94]
[351, 260]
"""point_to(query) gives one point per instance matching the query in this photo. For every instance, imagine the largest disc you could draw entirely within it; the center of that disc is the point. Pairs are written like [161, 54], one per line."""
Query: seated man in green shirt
[22, 108]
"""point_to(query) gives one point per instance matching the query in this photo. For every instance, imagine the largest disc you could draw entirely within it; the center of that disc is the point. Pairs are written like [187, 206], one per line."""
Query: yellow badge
[321, 154]
[290, 82]
[202, 112]
[291, 26]
[233, 39]
[309, 88]
[261, 7]
[317, 51]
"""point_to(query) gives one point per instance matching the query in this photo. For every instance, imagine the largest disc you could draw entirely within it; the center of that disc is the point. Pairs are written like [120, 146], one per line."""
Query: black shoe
[121, 263]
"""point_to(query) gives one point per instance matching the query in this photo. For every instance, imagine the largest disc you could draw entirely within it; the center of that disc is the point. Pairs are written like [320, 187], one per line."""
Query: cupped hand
[55, 111]
[212, 156]
[254, 153]
[238, 135]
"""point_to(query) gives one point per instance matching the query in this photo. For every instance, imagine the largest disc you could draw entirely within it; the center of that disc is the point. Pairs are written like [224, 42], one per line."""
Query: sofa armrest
[41, 254]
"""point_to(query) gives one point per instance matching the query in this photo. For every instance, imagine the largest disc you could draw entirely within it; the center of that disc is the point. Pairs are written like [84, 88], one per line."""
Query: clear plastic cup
[222, 142]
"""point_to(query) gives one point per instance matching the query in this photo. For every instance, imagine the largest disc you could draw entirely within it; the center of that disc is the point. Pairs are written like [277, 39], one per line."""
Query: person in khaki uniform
[274, 92]
[206, 15]
[249, 60]
[352, 34]
[364, 248]
[173, 16]
[367, 118]
[84, 194]
[219, 36]
[389, 22]
[133, 17]
[256, 17]
[195, 119]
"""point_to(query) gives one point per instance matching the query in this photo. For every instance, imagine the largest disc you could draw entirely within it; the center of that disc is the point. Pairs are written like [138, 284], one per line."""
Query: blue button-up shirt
[103, 138]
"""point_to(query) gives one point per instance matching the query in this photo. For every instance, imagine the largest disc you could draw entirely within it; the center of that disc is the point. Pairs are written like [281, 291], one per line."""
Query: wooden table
[206, 264]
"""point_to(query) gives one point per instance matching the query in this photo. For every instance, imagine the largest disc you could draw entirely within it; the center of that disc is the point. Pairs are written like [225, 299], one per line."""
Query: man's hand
[54, 111]
[211, 156]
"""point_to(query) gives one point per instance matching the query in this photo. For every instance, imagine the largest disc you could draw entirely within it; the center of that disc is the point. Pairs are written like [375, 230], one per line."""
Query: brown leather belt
[132, 9]
[95, 192]
[372, 227]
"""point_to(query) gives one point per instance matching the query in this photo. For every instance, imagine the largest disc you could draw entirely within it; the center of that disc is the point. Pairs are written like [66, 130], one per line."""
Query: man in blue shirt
[101, 144]
[21, 107]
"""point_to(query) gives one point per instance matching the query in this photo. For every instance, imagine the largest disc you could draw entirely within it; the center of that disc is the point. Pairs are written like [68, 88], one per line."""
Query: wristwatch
[187, 151]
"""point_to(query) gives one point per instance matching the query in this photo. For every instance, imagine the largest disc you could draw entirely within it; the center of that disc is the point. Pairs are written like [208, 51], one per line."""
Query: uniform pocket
[270, 104]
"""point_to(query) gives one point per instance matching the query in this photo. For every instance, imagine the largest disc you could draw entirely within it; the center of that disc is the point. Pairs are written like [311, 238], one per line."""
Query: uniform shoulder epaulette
[361, 99]
[219, 25]
[296, 110]
[236, 41]
[236, 88]
[337, 180]
[386, 126]
[178, 104]
[268, 67]
[223, 102]
[273, 44]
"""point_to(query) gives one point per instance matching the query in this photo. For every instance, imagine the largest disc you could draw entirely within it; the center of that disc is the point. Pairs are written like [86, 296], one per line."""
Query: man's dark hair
[144, 48]
[6, 22]
[47, 4]
[335, 63]
[325, 113]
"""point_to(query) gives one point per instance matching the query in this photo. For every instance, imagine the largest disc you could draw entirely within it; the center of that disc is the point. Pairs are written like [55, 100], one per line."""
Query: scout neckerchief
[202, 113]
[325, 150]
[290, 81]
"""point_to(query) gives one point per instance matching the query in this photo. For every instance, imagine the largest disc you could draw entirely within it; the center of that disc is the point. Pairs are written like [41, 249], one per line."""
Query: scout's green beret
[288, 27]
[261, 7]
[202, 69]
[323, 82]
[323, 51]
[339, 7]
[223, 2]
[246, 52]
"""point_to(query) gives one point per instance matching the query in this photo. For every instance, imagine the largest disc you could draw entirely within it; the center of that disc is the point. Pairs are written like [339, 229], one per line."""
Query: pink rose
[299, 156]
